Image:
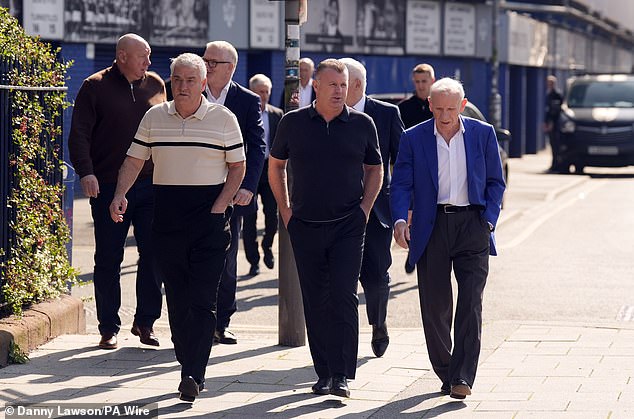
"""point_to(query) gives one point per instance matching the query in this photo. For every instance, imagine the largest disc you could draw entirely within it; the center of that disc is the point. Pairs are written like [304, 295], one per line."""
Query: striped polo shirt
[191, 151]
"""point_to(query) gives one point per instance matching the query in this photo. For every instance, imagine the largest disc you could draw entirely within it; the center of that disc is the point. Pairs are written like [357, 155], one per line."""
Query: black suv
[597, 122]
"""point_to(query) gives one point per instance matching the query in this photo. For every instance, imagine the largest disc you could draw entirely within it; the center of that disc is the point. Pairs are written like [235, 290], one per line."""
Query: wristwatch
[491, 228]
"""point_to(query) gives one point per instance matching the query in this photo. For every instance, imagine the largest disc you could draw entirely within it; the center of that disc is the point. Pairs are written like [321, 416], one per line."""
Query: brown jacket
[106, 116]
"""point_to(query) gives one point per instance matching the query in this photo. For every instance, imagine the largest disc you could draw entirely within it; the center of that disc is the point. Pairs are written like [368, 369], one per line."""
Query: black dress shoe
[269, 259]
[380, 339]
[225, 337]
[108, 341]
[145, 334]
[322, 386]
[255, 270]
[340, 386]
[445, 389]
[188, 389]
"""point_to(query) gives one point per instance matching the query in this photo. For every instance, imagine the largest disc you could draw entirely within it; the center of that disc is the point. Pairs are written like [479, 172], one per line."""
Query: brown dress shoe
[108, 341]
[145, 334]
[460, 390]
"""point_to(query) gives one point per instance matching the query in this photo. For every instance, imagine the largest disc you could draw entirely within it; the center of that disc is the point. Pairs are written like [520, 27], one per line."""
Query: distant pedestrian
[377, 255]
[551, 121]
[337, 172]
[200, 163]
[107, 112]
[261, 85]
[450, 168]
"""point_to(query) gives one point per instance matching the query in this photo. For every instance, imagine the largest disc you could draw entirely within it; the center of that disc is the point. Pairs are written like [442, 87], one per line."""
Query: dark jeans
[459, 241]
[249, 225]
[190, 262]
[228, 283]
[328, 257]
[375, 279]
[110, 240]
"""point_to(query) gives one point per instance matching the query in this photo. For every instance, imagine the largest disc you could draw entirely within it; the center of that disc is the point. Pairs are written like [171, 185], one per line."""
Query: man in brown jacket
[106, 115]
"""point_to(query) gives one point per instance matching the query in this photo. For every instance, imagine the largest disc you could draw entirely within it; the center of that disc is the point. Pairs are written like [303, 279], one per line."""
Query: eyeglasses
[214, 63]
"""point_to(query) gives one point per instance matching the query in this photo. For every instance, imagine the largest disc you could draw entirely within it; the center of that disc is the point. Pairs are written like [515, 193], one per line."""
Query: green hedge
[37, 266]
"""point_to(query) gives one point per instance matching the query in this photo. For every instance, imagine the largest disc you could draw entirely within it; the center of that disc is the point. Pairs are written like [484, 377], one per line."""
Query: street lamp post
[495, 101]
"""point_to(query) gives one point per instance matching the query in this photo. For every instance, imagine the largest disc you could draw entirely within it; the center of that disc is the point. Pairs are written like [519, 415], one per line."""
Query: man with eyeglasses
[221, 59]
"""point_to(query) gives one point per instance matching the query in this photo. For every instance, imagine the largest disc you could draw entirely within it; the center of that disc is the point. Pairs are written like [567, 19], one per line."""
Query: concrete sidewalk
[527, 369]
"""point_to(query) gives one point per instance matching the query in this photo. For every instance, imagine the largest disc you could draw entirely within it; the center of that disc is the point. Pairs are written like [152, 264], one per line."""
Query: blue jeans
[110, 240]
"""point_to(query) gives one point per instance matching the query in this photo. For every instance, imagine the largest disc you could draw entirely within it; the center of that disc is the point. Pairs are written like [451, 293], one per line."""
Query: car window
[593, 94]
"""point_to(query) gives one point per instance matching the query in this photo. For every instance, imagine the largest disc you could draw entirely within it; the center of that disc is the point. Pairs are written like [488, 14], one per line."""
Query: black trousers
[190, 262]
[229, 281]
[110, 240]
[375, 279]
[328, 258]
[249, 225]
[460, 242]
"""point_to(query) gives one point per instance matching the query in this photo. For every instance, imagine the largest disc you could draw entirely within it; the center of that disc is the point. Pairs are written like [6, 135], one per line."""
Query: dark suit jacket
[416, 173]
[389, 128]
[414, 111]
[245, 105]
[275, 114]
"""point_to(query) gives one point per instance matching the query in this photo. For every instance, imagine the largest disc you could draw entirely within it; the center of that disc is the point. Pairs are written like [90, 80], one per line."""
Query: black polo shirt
[326, 161]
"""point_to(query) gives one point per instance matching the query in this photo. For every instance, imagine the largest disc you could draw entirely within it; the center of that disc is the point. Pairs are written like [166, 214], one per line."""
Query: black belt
[452, 209]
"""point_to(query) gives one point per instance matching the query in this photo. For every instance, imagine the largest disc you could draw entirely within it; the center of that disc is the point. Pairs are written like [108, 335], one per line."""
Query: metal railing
[8, 148]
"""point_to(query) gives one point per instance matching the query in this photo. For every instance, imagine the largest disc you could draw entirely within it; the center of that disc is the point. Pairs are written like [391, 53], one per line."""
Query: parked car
[472, 111]
[596, 122]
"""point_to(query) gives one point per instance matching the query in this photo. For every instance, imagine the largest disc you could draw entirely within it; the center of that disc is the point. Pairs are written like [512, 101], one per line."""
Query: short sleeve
[280, 143]
[140, 147]
[234, 147]
[372, 150]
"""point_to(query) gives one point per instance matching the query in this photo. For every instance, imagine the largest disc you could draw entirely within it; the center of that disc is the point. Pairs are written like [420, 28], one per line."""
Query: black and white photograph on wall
[103, 20]
[326, 29]
[179, 22]
[381, 26]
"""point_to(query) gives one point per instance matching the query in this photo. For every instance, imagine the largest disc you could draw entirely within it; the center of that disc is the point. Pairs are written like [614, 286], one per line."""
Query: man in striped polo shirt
[199, 163]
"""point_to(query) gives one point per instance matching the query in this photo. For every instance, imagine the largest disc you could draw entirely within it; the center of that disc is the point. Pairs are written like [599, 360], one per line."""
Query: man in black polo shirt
[337, 173]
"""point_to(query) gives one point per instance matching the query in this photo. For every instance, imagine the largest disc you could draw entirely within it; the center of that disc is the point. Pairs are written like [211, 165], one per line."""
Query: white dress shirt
[360, 105]
[223, 94]
[305, 93]
[452, 169]
[267, 132]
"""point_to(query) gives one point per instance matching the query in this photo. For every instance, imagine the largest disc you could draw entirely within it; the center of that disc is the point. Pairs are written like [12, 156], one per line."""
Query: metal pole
[291, 323]
[495, 102]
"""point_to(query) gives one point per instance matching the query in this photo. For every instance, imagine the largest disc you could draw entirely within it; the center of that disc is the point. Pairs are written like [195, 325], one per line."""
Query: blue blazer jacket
[245, 105]
[415, 178]
[389, 128]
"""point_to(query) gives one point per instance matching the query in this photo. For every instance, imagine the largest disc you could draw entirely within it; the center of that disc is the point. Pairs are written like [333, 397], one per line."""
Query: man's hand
[243, 197]
[117, 208]
[90, 186]
[286, 214]
[401, 234]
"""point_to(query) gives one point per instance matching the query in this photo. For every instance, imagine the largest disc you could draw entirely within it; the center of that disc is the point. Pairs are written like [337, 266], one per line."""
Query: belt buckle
[445, 207]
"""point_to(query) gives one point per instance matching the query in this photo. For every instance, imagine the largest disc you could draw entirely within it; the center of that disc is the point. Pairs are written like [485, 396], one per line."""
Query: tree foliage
[37, 266]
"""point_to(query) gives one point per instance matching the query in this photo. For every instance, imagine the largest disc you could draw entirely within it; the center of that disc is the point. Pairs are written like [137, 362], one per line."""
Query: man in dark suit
[416, 109]
[450, 168]
[377, 257]
[261, 85]
[221, 59]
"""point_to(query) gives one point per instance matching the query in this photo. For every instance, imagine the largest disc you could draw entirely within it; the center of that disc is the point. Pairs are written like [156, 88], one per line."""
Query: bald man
[108, 108]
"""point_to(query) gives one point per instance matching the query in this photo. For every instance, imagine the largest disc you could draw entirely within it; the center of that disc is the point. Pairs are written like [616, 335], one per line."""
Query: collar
[344, 115]
[461, 127]
[200, 112]
[360, 105]
[223, 92]
[116, 70]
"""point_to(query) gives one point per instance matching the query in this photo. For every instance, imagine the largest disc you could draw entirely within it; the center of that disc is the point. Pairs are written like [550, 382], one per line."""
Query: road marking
[626, 314]
[528, 231]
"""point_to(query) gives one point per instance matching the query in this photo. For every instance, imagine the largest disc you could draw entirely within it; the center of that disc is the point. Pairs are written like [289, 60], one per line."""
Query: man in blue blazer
[221, 59]
[377, 256]
[449, 168]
